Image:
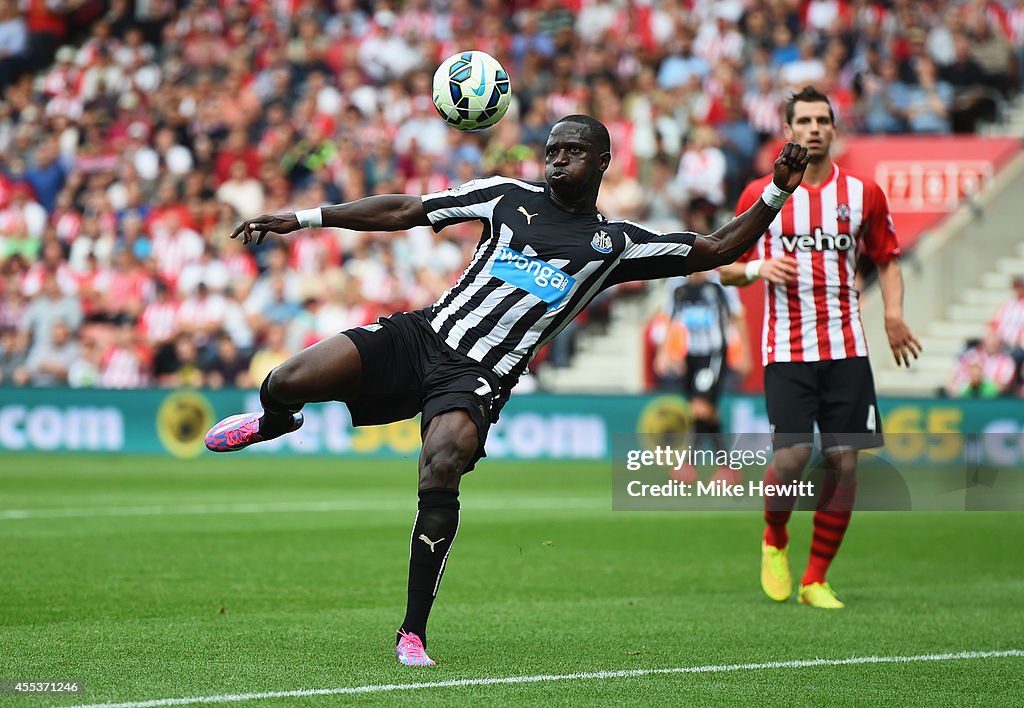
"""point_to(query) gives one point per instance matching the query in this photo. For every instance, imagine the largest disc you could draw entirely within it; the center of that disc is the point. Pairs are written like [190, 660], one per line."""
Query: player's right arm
[384, 212]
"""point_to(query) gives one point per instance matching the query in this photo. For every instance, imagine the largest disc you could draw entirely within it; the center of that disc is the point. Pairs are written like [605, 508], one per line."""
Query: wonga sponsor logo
[533, 275]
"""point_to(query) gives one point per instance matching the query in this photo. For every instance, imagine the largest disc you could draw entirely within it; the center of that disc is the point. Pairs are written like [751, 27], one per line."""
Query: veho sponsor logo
[818, 241]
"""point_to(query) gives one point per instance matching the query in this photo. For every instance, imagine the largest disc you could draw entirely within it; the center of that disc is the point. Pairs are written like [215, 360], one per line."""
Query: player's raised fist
[790, 166]
[260, 226]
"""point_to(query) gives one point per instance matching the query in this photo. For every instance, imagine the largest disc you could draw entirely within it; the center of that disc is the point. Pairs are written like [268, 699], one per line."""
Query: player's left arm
[734, 239]
[879, 235]
[901, 340]
[649, 255]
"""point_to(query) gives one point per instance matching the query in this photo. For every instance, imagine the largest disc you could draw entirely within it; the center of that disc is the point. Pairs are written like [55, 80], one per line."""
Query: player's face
[812, 127]
[573, 166]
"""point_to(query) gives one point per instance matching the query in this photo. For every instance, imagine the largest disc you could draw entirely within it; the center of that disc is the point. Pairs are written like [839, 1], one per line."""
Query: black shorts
[703, 377]
[408, 369]
[837, 395]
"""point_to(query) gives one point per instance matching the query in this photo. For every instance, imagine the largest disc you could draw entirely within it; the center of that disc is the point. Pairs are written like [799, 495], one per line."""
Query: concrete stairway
[943, 339]
[612, 361]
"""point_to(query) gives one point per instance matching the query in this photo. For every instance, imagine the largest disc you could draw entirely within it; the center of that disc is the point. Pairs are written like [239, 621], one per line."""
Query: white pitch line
[514, 504]
[628, 673]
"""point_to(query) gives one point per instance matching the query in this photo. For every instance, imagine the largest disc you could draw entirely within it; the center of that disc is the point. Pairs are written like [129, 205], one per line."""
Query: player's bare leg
[831, 519]
[449, 444]
[787, 467]
[327, 371]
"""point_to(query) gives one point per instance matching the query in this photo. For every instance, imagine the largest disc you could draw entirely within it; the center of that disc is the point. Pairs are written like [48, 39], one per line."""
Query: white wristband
[773, 196]
[753, 270]
[310, 218]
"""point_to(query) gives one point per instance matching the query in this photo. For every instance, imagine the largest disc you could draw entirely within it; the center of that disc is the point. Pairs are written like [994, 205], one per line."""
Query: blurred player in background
[711, 316]
[544, 253]
[814, 351]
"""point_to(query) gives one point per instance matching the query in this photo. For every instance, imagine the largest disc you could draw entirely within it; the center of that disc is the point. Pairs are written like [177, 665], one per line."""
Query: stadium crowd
[134, 136]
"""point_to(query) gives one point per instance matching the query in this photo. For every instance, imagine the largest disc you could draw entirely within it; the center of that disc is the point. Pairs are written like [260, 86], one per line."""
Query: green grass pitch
[148, 578]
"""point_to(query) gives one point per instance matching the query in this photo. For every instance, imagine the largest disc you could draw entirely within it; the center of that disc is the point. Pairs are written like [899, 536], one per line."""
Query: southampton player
[545, 252]
[707, 311]
[814, 351]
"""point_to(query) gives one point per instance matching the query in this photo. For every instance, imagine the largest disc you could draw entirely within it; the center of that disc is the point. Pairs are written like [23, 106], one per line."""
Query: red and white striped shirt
[1009, 323]
[122, 367]
[826, 228]
[996, 367]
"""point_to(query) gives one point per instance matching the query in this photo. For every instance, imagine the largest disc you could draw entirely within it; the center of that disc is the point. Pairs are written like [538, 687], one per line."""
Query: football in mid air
[471, 90]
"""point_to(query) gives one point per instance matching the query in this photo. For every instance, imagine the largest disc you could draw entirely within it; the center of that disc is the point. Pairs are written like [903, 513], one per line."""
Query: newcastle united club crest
[602, 242]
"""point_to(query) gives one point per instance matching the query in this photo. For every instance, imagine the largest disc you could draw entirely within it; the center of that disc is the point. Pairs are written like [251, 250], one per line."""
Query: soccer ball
[471, 90]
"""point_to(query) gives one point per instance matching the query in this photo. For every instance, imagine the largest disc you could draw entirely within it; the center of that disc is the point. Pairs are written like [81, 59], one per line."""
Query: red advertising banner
[925, 180]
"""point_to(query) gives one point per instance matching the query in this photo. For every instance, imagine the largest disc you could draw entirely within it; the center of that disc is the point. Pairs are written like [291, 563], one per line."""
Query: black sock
[710, 432]
[717, 438]
[701, 436]
[433, 532]
[277, 416]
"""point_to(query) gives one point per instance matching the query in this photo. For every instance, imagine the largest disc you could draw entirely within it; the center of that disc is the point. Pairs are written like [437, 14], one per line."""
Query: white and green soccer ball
[471, 90]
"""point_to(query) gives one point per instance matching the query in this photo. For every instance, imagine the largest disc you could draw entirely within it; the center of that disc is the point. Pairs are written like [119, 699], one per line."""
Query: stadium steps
[609, 362]
[966, 266]
[944, 339]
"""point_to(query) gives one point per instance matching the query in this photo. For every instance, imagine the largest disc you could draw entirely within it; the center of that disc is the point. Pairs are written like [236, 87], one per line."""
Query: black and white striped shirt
[705, 309]
[535, 267]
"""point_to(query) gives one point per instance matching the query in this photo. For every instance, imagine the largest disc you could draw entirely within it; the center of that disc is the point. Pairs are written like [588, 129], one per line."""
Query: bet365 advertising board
[531, 427]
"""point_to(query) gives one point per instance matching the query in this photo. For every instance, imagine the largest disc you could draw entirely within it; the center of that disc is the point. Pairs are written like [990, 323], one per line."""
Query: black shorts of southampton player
[544, 253]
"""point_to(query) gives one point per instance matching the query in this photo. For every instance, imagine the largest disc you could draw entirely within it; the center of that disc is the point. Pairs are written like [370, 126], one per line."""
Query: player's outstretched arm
[735, 238]
[385, 212]
[902, 341]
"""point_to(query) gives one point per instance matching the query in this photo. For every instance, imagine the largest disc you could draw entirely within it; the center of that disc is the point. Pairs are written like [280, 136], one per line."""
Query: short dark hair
[808, 94]
[597, 130]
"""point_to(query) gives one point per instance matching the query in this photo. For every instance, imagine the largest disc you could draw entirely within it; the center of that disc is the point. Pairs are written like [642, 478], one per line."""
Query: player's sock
[433, 532]
[702, 434]
[830, 522]
[777, 510]
[716, 436]
[277, 417]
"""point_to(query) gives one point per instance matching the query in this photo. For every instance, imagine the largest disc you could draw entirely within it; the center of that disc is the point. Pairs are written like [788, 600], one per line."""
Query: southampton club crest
[602, 242]
[843, 212]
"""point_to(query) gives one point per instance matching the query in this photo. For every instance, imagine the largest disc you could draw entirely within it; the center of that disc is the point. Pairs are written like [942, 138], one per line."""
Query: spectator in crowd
[84, 370]
[229, 367]
[984, 370]
[701, 178]
[49, 307]
[177, 364]
[127, 361]
[923, 106]
[1008, 321]
[971, 102]
[242, 191]
[880, 89]
[49, 359]
[272, 353]
[13, 351]
[13, 42]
